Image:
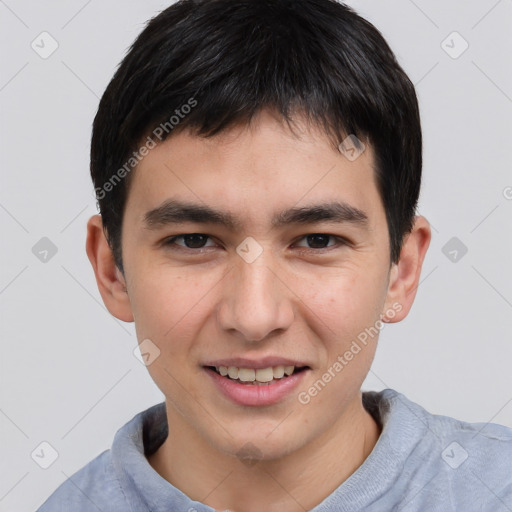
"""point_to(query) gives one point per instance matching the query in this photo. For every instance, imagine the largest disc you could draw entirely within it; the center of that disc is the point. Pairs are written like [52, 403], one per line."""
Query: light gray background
[68, 373]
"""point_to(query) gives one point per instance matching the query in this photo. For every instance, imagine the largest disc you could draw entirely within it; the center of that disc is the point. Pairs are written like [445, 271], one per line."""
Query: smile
[256, 387]
[256, 376]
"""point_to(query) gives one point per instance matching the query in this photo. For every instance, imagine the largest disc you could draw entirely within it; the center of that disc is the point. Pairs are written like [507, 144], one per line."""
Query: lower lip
[253, 394]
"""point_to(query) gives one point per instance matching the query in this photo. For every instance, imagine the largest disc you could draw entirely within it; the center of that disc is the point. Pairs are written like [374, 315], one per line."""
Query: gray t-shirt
[421, 462]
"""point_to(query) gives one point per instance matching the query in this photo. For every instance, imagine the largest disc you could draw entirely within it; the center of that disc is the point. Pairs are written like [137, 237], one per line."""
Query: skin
[296, 300]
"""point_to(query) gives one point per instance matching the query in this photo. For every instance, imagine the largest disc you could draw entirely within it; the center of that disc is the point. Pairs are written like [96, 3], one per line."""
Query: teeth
[262, 375]
[288, 370]
[246, 374]
[278, 372]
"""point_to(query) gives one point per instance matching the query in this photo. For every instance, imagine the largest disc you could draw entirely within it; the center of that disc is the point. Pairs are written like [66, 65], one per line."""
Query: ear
[405, 275]
[111, 282]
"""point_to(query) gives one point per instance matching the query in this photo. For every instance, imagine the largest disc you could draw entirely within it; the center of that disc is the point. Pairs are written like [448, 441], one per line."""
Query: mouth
[257, 376]
[258, 383]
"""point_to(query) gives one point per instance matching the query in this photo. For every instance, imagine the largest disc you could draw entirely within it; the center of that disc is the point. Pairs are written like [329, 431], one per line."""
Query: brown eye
[319, 241]
[190, 240]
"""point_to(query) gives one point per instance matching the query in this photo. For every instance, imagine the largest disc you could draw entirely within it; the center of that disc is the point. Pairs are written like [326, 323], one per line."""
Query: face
[294, 279]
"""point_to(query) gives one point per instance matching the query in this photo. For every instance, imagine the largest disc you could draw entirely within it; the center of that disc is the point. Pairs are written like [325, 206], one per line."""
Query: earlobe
[405, 275]
[110, 280]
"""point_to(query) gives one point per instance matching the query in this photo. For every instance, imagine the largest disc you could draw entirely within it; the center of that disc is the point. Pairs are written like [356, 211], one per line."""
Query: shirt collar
[146, 490]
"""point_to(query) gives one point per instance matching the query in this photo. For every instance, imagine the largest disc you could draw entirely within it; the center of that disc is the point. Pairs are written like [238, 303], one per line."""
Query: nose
[255, 300]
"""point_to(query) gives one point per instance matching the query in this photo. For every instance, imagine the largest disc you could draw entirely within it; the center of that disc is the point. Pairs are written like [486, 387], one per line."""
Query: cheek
[166, 304]
[169, 308]
[344, 303]
[344, 311]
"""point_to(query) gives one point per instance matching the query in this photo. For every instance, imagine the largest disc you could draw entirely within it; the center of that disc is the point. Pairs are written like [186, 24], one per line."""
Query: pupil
[321, 240]
[195, 241]
[189, 240]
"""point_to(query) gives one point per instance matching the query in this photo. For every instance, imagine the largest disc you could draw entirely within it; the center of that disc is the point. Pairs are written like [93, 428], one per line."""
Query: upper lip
[265, 362]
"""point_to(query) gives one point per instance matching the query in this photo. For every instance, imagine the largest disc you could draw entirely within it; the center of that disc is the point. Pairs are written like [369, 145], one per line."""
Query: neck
[295, 482]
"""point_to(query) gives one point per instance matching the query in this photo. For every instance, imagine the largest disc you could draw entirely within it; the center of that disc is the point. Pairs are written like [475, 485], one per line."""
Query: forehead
[254, 171]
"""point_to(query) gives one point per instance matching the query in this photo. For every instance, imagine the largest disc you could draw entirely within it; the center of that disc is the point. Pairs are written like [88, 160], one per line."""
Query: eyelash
[170, 242]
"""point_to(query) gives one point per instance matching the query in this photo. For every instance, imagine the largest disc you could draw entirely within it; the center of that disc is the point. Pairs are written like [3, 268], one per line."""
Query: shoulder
[452, 461]
[117, 479]
[481, 442]
[93, 487]
[393, 407]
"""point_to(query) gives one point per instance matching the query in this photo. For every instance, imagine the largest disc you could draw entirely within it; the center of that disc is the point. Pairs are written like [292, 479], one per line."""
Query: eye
[190, 241]
[197, 241]
[321, 241]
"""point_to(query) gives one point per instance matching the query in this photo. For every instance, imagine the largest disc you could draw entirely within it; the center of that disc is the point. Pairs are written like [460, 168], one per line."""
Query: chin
[260, 446]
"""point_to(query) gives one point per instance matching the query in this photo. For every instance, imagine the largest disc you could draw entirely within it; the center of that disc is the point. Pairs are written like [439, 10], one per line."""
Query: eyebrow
[177, 212]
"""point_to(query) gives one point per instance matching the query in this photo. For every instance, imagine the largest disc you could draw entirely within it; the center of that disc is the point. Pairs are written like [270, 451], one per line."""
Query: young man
[257, 165]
